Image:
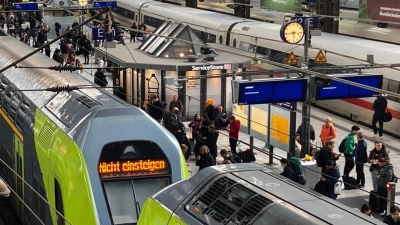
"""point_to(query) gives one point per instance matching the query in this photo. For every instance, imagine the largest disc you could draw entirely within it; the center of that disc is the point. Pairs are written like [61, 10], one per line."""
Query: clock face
[293, 32]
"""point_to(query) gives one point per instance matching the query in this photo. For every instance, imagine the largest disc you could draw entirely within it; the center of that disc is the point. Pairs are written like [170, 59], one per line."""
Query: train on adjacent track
[85, 153]
[245, 194]
[264, 39]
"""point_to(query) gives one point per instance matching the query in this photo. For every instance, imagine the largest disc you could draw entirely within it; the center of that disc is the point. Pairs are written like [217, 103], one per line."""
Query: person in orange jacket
[328, 131]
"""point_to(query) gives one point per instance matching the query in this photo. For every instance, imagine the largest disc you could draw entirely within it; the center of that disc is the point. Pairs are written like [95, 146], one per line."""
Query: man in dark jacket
[379, 107]
[176, 103]
[393, 218]
[156, 108]
[100, 79]
[378, 152]
[57, 27]
[361, 157]
[288, 171]
[312, 131]
[330, 176]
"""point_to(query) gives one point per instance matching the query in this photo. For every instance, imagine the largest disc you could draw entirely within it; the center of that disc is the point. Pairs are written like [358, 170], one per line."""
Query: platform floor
[352, 198]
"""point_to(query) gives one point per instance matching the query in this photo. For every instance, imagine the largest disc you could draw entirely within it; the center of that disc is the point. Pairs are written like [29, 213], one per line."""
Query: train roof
[265, 195]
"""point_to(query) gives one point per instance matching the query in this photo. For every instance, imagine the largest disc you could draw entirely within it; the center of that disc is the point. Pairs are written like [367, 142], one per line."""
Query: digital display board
[26, 6]
[111, 4]
[133, 168]
[272, 91]
[339, 90]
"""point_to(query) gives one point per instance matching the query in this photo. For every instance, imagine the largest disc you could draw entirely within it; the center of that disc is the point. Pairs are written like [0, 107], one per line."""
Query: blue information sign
[98, 34]
[339, 90]
[287, 105]
[272, 91]
[302, 21]
[111, 4]
[22, 6]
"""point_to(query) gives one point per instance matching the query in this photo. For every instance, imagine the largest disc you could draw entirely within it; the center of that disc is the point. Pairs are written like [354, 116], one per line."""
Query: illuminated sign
[212, 67]
[130, 167]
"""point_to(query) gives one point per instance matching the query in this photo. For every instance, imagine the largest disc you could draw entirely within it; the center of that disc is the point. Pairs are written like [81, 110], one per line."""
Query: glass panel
[121, 202]
[152, 37]
[161, 39]
[166, 45]
[166, 31]
[146, 188]
[197, 40]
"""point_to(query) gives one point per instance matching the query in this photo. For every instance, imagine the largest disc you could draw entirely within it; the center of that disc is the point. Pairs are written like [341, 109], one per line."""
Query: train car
[263, 38]
[245, 194]
[344, 4]
[86, 154]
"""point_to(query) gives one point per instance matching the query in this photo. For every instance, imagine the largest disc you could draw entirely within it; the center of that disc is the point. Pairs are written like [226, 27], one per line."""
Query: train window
[59, 203]
[126, 198]
[234, 42]
[151, 21]
[124, 12]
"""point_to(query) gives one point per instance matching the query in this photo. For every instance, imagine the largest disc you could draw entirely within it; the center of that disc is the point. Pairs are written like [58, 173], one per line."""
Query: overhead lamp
[82, 3]
[255, 61]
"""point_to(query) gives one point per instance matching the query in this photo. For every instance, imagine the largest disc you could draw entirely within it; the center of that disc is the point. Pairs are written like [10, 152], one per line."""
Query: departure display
[339, 90]
[132, 167]
[272, 91]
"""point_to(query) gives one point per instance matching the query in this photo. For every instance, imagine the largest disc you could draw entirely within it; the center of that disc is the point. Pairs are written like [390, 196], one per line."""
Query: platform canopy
[168, 48]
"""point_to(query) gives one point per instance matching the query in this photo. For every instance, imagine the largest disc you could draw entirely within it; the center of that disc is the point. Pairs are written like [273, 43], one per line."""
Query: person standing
[361, 157]
[133, 33]
[234, 128]
[156, 108]
[378, 152]
[379, 107]
[328, 131]
[350, 146]
[57, 27]
[384, 176]
[176, 103]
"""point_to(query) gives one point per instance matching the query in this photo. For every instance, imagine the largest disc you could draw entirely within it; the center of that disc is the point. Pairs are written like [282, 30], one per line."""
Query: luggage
[57, 56]
[373, 201]
[48, 51]
[350, 183]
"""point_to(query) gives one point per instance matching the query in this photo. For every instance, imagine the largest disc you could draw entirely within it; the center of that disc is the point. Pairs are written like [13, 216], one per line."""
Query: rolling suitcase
[373, 201]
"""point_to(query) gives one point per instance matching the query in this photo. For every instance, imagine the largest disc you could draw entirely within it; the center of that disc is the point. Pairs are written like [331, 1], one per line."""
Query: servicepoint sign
[212, 67]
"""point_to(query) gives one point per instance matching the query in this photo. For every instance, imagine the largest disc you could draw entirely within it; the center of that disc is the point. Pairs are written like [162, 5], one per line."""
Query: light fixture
[181, 55]
[255, 61]
[166, 56]
[82, 3]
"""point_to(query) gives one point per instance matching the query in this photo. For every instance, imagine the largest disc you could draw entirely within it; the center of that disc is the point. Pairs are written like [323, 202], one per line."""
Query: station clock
[292, 32]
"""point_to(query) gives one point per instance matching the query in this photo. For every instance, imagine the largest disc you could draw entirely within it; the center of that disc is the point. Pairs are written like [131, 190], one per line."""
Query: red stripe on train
[368, 105]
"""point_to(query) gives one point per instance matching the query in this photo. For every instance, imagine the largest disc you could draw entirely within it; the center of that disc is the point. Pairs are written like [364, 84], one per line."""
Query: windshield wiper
[137, 205]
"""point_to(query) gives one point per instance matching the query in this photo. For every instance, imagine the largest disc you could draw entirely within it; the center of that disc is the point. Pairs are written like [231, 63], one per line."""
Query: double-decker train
[264, 39]
[85, 154]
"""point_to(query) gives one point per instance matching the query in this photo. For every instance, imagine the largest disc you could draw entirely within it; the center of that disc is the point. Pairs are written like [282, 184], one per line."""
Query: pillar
[163, 86]
[223, 88]
[182, 92]
[203, 90]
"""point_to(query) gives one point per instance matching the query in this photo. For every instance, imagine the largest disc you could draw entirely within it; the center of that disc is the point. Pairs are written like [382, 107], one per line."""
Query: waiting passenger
[379, 107]
[325, 154]
[330, 177]
[288, 171]
[328, 131]
[234, 129]
[211, 142]
[378, 152]
[155, 108]
[210, 109]
[311, 129]
[393, 218]
[366, 209]
[225, 155]
[361, 157]
[205, 159]
[384, 176]
[176, 103]
[297, 146]
[100, 79]
[221, 120]
[195, 124]
[350, 146]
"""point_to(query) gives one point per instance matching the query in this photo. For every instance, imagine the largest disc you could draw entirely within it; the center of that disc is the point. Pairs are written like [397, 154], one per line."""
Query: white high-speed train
[247, 34]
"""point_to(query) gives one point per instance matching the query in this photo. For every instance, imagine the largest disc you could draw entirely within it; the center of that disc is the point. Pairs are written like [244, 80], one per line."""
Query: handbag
[387, 117]
[338, 186]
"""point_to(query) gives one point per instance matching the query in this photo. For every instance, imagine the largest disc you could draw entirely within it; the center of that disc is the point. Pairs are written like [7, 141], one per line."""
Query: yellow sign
[131, 166]
[320, 57]
[280, 128]
[260, 116]
[292, 59]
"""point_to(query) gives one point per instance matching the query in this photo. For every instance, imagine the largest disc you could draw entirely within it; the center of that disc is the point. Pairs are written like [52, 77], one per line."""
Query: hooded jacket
[386, 175]
[331, 176]
[289, 173]
[379, 106]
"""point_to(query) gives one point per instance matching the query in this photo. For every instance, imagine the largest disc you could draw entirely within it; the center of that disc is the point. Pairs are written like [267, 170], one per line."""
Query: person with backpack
[350, 145]
[384, 176]
[361, 157]
[225, 155]
[328, 131]
[325, 154]
[330, 177]
[288, 171]
[298, 170]
[379, 151]
[247, 156]
[210, 110]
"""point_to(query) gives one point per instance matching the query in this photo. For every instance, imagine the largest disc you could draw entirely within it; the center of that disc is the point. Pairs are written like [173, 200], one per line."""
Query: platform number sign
[302, 21]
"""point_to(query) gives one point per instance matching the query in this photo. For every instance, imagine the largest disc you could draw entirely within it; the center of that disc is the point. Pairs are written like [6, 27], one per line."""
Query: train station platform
[352, 198]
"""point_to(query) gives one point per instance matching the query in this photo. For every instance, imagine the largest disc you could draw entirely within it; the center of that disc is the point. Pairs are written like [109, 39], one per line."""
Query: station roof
[160, 53]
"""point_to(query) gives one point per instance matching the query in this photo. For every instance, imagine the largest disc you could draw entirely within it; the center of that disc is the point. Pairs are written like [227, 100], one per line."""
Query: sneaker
[383, 213]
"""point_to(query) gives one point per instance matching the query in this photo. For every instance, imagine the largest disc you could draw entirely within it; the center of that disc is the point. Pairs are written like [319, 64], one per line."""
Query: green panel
[282, 5]
[154, 213]
[175, 220]
[19, 167]
[64, 161]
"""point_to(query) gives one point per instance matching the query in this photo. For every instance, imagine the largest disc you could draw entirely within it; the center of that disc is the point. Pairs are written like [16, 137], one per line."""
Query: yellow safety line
[13, 127]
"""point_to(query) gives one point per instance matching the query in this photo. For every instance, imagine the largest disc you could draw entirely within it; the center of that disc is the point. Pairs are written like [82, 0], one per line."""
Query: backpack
[236, 159]
[318, 158]
[298, 170]
[342, 146]
[247, 156]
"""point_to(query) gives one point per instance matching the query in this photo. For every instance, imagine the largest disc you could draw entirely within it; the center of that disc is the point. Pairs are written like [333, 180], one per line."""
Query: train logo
[227, 66]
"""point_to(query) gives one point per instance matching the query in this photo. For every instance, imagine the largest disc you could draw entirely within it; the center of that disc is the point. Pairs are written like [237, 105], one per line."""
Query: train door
[19, 168]
[234, 37]
[222, 34]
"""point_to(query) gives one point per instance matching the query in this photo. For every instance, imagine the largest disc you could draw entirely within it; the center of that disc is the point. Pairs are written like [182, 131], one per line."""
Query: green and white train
[91, 157]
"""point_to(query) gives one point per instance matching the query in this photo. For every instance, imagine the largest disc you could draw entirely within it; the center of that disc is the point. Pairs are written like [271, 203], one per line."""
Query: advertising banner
[282, 5]
[384, 10]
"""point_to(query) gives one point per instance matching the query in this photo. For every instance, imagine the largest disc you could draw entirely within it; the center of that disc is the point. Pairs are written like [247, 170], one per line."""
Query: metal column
[163, 86]
[223, 88]
[142, 76]
[305, 131]
[182, 91]
[203, 90]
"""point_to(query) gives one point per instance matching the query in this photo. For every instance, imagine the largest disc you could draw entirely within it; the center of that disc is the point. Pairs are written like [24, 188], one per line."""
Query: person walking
[379, 107]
